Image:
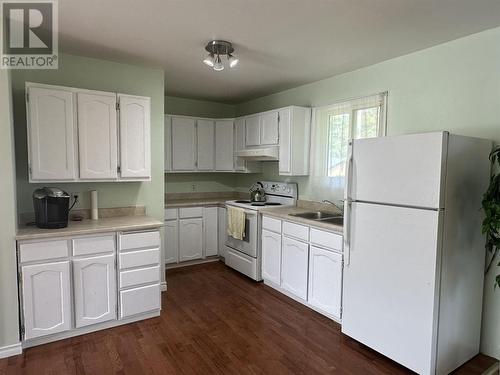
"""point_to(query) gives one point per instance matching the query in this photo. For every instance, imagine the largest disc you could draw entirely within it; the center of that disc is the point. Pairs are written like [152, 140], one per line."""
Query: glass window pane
[366, 122]
[338, 136]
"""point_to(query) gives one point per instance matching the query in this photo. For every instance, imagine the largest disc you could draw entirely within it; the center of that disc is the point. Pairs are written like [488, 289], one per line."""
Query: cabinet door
[295, 256]
[51, 134]
[224, 145]
[252, 129]
[135, 137]
[325, 280]
[97, 135]
[46, 299]
[183, 144]
[222, 219]
[190, 239]
[171, 242]
[269, 133]
[206, 143]
[285, 141]
[239, 143]
[210, 231]
[94, 281]
[271, 257]
[168, 144]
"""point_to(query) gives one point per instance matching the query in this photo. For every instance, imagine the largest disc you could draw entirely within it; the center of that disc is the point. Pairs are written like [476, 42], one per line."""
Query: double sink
[323, 216]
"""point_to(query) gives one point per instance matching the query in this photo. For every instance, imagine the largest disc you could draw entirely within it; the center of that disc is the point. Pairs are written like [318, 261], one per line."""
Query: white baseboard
[163, 286]
[10, 350]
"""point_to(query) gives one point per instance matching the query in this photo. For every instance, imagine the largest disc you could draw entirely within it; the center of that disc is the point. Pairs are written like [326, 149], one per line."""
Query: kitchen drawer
[171, 214]
[185, 213]
[138, 240]
[139, 300]
[298, 231]
[274, 225]
[326, 239]
[139, 276]
[140, 258]
[93, 245]
[44, 250]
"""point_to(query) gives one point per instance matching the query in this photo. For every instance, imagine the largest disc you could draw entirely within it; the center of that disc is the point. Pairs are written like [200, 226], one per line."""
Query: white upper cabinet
[94, 290]
[294, 141]
[51, 133]
[206, 144]
[67, 124]
[252, 125]
[46, 298]
[168, 144]
[183, 144]
[239, 143]
[224, 153]
[97, 135]
[135, 137]
[269, 133]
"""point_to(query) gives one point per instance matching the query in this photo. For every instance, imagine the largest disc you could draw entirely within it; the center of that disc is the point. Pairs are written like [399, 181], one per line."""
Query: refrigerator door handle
[348, 172]
[347, 231]
[347, 206]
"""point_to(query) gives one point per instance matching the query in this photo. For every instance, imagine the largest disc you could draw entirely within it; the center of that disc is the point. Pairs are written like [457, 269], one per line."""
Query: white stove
[245, 255]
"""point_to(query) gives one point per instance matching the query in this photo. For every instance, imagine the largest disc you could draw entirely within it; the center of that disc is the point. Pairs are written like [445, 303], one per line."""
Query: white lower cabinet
[190, 239]
[171, 241]
[66, 280]
[325, 280]
[193, 233]
[294, 267]
[307, 267]
[46, 298]
[271, 256]
[210, 231]
[222, 234]
[94, 289]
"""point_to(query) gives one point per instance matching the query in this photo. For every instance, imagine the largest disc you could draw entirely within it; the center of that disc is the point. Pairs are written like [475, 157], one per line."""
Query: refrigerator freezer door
[401, 170]
[390, 284]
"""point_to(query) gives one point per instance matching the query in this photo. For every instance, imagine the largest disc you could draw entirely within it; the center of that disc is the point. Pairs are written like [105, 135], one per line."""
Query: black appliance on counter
[51, 207]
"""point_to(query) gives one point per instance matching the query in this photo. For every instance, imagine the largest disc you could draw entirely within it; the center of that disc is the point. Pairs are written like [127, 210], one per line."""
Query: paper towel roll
[94, 212]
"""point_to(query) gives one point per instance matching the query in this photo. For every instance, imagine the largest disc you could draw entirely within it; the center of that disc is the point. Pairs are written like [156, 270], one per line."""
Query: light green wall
[9, 330]
[183, 182]
[200, 108]
[103, 75]
[453, 86]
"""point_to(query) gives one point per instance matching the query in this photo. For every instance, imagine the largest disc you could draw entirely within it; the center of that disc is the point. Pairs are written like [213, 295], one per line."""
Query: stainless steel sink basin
[317, 215]
[338, 220]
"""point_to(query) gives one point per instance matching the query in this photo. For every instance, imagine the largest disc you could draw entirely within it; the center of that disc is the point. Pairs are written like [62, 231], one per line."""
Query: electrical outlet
[76, 196]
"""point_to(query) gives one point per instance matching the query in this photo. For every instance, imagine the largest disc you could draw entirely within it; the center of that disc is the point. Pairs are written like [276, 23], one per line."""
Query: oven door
[249, 243]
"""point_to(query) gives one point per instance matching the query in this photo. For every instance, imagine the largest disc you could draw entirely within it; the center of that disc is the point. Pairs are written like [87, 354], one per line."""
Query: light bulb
[233, 61]
[209, 60]
[218, 64]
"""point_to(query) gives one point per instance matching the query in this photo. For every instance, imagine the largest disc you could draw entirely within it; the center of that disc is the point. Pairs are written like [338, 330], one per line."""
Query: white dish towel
[236, 222]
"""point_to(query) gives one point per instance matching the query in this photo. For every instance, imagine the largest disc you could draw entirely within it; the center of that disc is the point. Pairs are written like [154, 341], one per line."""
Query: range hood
[259, 154]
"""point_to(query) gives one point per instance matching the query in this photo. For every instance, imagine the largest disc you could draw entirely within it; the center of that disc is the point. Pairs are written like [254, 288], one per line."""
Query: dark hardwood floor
[215, 321]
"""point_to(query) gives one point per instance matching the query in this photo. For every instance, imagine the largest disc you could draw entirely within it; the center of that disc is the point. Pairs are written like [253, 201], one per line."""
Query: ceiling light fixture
[215, 49]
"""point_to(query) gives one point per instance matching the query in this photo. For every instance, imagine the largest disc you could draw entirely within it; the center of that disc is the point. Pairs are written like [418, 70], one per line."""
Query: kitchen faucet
[340, 208]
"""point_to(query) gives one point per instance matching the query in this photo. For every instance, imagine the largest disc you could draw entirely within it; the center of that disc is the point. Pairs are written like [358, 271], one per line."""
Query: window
[333, 127]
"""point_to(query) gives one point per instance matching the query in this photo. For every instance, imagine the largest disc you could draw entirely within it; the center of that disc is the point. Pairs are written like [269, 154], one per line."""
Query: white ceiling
[280, 43]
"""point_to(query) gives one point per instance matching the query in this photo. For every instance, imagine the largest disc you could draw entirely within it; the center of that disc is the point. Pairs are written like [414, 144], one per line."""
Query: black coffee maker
[51, 207]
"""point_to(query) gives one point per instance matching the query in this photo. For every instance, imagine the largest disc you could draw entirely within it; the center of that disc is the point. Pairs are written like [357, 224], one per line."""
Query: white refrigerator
[413, 249]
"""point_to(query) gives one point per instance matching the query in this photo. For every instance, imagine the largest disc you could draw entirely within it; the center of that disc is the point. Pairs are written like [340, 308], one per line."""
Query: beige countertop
[179, 203]
[283, 213]
[111, 224]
